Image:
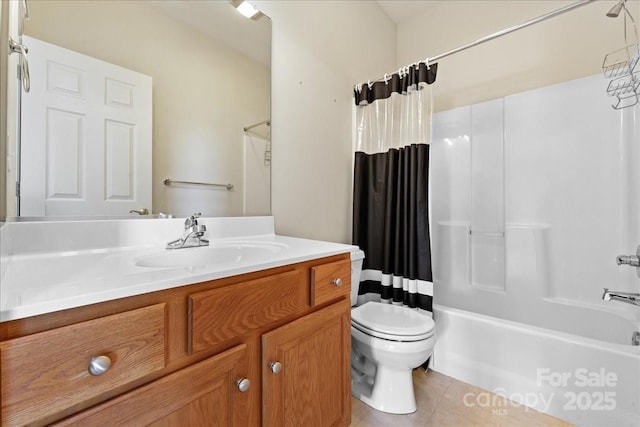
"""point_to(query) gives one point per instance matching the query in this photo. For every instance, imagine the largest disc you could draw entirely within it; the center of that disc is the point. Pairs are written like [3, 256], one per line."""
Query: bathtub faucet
[628, 297]
[632, 260]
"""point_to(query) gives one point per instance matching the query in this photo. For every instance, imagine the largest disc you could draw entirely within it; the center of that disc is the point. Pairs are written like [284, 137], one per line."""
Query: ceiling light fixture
[247, 9]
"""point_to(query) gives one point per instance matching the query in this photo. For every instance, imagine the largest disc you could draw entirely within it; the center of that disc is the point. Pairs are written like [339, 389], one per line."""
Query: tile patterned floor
[441, 404]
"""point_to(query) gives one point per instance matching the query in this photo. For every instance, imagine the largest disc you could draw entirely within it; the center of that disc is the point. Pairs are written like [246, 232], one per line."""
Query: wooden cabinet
[202, 394]
[306, 379]
[328, 282]
[221, 314]
[47, 373]
[177, 355]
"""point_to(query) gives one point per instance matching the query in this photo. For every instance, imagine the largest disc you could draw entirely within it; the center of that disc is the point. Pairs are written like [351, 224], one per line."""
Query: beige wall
[320, 50]
[203, 92]
[566, 47]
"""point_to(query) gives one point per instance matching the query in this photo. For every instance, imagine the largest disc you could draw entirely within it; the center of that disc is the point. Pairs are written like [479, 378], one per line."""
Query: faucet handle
[192, 220]
[632, 260]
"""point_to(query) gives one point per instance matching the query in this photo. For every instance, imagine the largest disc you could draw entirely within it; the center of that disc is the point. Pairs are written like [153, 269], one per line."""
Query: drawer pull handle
[243, 384]
[337, 282]
[275, 367]
[99, 365]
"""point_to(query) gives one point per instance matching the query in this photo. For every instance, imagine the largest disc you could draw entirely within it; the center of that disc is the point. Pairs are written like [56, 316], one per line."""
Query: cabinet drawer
[44, 374]
[225, 313]
[330, 281]
[204, 394]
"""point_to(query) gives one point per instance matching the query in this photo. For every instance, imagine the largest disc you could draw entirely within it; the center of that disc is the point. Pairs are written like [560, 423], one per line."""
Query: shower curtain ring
[426, 61]
[385, 79]
[370, 84]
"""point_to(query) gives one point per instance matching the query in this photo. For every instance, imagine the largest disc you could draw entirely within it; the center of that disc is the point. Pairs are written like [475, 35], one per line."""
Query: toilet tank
[357, 257]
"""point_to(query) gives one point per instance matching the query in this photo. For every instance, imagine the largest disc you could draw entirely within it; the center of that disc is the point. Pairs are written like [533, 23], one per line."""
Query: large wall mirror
[204, 78]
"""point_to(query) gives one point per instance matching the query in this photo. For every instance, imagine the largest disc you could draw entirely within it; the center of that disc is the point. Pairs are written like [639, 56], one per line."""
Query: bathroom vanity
[265, 346]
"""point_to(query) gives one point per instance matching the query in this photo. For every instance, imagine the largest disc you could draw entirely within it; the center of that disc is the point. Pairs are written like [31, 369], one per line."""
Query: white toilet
[387, 343]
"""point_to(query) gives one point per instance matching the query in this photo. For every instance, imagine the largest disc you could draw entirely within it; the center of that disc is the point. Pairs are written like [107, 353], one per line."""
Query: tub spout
[628, 297]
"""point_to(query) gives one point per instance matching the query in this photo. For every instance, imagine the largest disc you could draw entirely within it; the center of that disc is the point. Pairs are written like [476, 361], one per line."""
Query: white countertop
[41, 281]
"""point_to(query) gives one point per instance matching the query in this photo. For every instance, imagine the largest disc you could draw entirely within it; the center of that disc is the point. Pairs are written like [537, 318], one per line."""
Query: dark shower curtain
[391, 187]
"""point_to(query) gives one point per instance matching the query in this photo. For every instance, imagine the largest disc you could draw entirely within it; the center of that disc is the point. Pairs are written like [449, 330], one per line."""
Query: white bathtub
[586, 381]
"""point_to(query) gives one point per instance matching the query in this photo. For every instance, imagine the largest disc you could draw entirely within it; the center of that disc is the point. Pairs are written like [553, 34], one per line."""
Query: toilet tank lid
[357, 254]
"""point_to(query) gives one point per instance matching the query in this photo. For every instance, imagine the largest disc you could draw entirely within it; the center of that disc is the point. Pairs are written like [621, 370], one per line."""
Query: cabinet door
[204, 394]
[313, 384]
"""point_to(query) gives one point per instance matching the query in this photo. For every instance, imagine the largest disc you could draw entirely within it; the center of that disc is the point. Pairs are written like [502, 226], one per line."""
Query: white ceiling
[399, 10]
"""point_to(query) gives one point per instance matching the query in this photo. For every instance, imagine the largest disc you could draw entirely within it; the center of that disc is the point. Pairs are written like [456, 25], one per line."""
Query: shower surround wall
[534, 195]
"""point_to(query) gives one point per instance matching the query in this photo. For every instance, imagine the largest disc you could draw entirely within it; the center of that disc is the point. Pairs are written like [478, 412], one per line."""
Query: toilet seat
[392, 322]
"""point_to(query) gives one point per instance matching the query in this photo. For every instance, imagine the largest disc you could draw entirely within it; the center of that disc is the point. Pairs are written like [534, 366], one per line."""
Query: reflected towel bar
[264, 122]
[169, 181]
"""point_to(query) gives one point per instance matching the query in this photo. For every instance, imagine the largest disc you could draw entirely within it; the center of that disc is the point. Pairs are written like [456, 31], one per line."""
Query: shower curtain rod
[264, 122]
[497, 34]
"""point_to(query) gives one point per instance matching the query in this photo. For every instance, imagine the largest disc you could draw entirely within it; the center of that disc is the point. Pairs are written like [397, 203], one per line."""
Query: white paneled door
[85, 136]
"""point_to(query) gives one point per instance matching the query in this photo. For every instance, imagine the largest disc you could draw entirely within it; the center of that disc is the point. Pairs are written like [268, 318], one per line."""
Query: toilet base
[392, 391]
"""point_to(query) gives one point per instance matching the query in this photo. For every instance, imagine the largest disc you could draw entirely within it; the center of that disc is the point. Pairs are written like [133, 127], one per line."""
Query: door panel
[86, 136]
[313, 387]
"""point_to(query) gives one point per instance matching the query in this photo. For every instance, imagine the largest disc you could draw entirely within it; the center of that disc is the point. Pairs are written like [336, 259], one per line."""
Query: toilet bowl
[387, 343]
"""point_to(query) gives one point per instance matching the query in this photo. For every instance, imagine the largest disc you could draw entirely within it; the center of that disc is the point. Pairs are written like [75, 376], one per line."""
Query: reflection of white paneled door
[85, 136]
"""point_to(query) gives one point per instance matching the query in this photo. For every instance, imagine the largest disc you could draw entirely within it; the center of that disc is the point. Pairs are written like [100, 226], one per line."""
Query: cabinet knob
[99, 365]
[337, 282]
[243, 384]
[275, 367]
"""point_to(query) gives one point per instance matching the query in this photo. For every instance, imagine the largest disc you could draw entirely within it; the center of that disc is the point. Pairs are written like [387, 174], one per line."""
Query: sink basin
[217, 254]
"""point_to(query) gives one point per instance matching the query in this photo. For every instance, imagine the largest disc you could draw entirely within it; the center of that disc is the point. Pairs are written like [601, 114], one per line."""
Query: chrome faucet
[192, 235]
[632, 260]
[628, 297]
